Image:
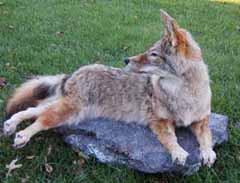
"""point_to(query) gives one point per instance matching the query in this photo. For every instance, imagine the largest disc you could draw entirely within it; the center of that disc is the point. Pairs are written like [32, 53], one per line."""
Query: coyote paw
[9, 127]
[180, 156]
[208, 157]
[20, 140]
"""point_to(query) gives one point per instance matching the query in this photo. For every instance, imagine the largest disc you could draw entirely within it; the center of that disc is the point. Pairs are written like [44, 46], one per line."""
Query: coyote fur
[163, 88]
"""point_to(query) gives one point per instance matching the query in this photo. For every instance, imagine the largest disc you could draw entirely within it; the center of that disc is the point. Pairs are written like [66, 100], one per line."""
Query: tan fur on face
[140, 59]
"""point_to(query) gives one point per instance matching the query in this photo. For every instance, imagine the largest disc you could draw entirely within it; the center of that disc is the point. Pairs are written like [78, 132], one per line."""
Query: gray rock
[136, 146]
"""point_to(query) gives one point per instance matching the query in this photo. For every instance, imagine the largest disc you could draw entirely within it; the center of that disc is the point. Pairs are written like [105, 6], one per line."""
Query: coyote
[163, 88]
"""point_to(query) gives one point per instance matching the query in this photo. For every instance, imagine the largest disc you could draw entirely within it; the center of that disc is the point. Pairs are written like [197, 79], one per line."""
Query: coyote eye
[154, 54]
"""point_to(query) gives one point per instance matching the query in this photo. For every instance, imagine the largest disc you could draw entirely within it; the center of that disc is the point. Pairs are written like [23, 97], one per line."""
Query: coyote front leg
[203, 134]
[53, 116]
[165, 131]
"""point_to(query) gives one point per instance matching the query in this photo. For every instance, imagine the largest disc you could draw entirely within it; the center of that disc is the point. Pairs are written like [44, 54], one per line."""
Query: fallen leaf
[48, 168]
[126, 48]
[49, 150]
[79, 165]
[3, 82]
[60, 33]
[7, 64]
[81, 162]
[11, 27]
[30, 157]
[12, 166]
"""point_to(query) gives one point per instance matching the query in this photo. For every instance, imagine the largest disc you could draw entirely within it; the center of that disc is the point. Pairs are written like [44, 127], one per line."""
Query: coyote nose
[126, 61]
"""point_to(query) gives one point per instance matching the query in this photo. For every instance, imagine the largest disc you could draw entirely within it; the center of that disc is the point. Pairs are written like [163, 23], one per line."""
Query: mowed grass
[106, 31]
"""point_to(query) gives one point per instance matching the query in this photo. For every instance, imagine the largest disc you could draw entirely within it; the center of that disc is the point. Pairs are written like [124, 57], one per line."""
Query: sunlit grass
[227, 1]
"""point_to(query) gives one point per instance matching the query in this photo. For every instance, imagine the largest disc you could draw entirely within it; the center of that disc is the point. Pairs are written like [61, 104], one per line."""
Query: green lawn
[105, 31]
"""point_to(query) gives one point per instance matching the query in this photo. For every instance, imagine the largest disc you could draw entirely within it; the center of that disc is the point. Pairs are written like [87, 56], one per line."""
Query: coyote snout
[126, 61]
[143, 61]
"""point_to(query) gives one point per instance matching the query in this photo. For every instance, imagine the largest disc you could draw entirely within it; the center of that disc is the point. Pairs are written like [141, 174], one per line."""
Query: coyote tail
[33, 91]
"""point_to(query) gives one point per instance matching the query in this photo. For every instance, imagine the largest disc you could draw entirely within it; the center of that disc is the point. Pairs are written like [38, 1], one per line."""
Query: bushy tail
[30, 93]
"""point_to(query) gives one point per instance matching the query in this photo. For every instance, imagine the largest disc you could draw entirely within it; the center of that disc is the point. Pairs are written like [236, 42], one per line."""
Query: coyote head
[176, 48]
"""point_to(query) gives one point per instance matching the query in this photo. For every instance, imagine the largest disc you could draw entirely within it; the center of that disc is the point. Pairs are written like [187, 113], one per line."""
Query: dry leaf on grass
[10, 67]
[60, 33]
[12, 166]
[7, 64]
[79, 162]
[49, 150]
[126, 48]
[48, 168]
[30, 157]
[79, 165]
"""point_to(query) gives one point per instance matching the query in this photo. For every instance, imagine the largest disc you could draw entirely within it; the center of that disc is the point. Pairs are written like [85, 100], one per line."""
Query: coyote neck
[187, 97]
[197, 74]
[192, 71]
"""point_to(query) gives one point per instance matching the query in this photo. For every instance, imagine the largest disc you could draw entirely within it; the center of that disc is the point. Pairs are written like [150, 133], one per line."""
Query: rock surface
[136, 146]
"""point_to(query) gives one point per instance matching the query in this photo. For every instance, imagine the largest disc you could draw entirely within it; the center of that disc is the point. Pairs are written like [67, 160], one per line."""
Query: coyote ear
[171, 26]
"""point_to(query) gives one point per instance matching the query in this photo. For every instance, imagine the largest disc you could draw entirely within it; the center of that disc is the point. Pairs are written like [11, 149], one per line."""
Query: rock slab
[115, 142]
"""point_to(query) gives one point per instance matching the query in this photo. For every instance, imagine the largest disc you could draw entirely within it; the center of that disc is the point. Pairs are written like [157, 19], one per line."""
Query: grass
[105, 31]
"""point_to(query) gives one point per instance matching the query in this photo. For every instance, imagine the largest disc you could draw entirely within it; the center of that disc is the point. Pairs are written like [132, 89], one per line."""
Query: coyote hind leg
[11, 124]
[53, 116]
